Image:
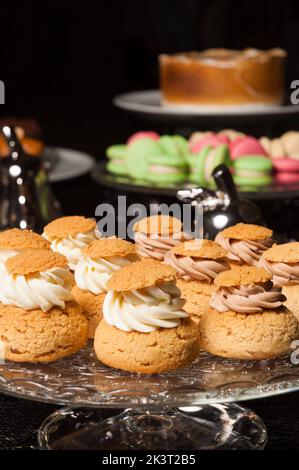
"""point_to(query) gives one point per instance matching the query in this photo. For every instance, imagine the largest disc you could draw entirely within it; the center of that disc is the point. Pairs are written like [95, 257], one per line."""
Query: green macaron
[182, 145]
[116, 155]
[174, 145]
[203, 163]
[137, 156]
[253, 170]
[168, 145]
[166, 169]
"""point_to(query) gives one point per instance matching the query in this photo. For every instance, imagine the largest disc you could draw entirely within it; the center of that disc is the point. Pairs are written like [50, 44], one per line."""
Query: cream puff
[70, 235]
[98, 262]
[145, 328]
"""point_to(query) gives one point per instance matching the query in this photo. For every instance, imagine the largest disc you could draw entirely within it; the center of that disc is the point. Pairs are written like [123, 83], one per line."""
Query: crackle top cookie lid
[17, 239]
[69, 226]
[158, 224]
[242, 276]
[140, 274]
[35, 261]
[247, 232]
[286, 253]
[199, 248]
[107, 247]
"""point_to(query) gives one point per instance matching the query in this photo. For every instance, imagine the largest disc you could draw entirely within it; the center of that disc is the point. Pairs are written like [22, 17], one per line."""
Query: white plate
[149, 102]
[67, 163]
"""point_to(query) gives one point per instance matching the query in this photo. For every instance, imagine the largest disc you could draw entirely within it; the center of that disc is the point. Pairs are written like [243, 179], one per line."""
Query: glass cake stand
[190, 408]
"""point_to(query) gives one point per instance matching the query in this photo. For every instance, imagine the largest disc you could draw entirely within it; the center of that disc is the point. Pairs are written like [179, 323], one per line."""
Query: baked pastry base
[161, 350]
[292, 302]
[252, 336]
[197, 295]
[37, 336]
[92, 306]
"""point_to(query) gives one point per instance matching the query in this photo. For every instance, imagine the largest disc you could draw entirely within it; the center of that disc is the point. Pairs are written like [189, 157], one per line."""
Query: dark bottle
[26, 198]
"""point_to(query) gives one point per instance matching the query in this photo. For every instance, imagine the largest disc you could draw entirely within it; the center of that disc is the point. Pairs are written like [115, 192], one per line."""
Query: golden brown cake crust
[198, 248]
[158, 224]
[194, 287]
[197, 295]
[140, 274]
[242, 276]
[69, 226]
[286, 253]
[255, 336]
[147, 353]
[247, 232]
[35, 261]
[107, 247]
[17, 239]
[92, 306]
[292, 302]
[35, 336]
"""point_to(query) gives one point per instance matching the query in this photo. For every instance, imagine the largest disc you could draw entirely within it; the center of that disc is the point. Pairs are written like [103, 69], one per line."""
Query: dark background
[62, 63]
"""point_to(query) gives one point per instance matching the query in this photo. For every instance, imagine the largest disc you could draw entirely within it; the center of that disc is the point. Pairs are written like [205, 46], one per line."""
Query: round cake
[223, 77]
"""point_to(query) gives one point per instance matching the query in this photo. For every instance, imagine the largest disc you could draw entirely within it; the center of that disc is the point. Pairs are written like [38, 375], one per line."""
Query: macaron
[253, 170]
[287, 165]
[286, 178]
[116, 155]
[232, 134]
[182, 145]
[174, 145]
[143, 134]
[266, 144]
[214, 140]
[287, 170]
[198, 135]
[203, 163]
[164, 168]
[246, 146]
[138, 153]
[277, 149]
[290, 141]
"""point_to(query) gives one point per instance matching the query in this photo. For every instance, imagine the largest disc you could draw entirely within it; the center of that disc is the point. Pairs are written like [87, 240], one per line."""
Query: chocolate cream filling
[283, 274]
[155, 246]
[199, 269]
[244, 251]
[247, 299]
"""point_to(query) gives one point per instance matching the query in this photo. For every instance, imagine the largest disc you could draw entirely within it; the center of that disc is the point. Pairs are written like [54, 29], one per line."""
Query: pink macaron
[286, 165]
[284, 177]
[246, 146]
[141, 135]
[214, 140]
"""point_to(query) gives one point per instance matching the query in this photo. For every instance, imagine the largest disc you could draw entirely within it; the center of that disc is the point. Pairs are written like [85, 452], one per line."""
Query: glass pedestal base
[210, 427]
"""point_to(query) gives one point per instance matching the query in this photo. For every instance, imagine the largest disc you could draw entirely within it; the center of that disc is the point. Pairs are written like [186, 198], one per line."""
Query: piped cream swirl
[5, 254]
[72, 246]
[145, 310]
[283, 274]
[93, 274]
[244, 251]
[247, 299]
[43, 290]
[155, 246]
[189, 268]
